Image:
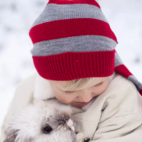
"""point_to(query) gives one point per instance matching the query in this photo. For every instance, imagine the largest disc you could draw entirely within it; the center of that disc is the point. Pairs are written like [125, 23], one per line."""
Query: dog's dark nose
[76, 132]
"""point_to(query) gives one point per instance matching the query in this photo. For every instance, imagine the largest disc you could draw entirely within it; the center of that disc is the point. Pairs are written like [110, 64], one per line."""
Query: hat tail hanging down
[122, 69]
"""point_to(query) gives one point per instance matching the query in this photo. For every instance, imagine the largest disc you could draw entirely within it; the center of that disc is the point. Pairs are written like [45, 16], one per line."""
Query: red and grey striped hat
[73, 39]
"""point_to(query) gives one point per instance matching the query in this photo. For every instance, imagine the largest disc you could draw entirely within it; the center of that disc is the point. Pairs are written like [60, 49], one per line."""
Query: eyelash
[99, 84]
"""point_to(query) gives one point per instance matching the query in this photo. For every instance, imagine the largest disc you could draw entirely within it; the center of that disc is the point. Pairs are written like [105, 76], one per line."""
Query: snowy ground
[16, 18]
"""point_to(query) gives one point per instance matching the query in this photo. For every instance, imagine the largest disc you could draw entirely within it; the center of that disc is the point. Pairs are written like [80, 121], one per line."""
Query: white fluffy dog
[41, 122]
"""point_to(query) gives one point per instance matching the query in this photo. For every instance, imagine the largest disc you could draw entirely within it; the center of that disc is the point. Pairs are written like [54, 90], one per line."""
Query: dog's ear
[10, 135]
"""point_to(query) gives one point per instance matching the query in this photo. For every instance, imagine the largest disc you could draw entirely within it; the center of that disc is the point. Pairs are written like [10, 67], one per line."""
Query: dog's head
[36, 123]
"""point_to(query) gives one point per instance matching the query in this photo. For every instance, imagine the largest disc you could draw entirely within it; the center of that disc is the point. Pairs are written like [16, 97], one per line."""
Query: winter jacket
[113, 116]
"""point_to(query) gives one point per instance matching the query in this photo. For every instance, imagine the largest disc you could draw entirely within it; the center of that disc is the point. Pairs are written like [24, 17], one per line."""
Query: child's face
[96, 87]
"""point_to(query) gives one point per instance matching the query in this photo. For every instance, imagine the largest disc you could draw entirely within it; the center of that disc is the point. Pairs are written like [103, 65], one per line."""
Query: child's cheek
[101, 89]
[104, 87]
[64, 98]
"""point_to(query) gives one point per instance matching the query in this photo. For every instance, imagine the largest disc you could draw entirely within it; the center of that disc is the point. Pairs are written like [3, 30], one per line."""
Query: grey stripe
[54, 12]
[118, 60]
[132, 78]
[73, 44]
[135, 81]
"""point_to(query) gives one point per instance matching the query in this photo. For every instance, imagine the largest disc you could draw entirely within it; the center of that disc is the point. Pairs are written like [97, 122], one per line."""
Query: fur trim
[112, 76]
[42, 90]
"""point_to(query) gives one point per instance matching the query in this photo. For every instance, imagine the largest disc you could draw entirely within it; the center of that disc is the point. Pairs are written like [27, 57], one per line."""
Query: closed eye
[99, 84]
[70, 91]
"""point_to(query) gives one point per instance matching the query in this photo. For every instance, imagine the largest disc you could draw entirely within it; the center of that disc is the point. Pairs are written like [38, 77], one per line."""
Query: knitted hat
[73, 39]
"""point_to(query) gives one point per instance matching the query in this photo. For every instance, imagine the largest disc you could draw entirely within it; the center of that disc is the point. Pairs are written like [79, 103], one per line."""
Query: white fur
[27, 124]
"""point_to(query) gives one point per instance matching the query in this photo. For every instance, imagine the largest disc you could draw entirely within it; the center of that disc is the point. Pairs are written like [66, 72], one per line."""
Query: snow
[16, 18]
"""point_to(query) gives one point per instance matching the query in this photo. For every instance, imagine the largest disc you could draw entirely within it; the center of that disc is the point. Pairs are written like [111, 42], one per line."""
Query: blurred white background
[16, 18]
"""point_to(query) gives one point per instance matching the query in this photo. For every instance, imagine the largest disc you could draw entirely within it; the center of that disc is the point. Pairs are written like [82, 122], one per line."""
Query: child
[77, 64]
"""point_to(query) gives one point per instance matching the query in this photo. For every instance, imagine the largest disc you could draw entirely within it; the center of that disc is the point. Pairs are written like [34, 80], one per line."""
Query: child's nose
[85, 96]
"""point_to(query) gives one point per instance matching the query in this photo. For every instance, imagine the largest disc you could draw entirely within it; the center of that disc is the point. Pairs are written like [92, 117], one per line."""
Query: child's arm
[23, 96]
[121, 119]
[120, 129]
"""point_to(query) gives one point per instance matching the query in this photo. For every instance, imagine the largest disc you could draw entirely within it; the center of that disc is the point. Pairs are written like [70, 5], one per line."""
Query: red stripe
[70, 27]
[75, 65]
[141, 92]
[121, 69]
[92, 2]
